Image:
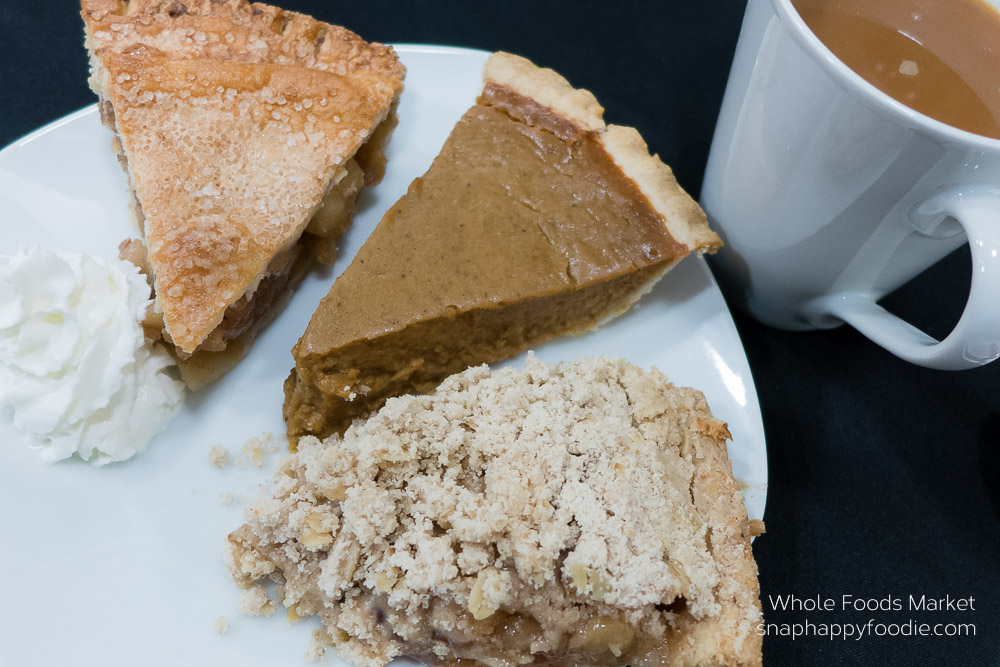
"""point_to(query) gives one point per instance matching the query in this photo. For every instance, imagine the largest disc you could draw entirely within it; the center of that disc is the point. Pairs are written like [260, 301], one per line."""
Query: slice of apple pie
[584, 514]
[246, 133]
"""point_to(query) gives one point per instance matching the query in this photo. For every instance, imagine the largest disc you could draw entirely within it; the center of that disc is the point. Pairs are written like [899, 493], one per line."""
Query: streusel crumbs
[255, 602]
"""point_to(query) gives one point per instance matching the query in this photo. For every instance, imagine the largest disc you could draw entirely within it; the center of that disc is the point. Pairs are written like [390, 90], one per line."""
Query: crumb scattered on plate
[218, 456]
[221, 625]
[226, 498]
[253, 452]
[256, 449]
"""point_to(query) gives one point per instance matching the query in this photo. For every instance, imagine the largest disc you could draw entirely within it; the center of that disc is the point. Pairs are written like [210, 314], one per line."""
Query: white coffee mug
[829, 194]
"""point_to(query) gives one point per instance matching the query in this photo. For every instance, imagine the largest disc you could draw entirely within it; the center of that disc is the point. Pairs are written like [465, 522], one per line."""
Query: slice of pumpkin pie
[240, 126]
[535, 220]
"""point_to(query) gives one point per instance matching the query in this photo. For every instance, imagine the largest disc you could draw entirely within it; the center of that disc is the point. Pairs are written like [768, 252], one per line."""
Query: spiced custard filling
[535, 220]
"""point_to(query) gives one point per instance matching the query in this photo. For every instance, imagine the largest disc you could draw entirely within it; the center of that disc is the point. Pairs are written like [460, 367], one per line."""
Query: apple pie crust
[584, 514]
[246, 133]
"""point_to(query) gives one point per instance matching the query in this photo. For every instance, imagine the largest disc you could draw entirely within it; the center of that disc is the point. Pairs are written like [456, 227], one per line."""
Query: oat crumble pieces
[255, 602]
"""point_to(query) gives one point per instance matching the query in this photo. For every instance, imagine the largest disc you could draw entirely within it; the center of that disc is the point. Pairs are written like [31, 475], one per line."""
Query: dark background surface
[884, 477]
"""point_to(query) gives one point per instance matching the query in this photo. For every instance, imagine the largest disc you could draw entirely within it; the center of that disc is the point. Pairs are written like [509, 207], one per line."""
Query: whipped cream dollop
[75, 365]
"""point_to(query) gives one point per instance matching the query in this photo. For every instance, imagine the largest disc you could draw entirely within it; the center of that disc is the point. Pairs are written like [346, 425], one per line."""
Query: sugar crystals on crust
[236, 122]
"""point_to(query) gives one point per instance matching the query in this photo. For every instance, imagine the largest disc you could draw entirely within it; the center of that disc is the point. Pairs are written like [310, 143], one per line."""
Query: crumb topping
[589, 495]
[255, 602]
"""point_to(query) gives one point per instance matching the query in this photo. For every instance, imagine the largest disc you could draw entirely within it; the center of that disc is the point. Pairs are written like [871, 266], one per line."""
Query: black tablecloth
[884, 477]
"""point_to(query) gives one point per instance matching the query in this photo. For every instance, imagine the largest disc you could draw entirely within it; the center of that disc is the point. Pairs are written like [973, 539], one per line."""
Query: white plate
[121, 565]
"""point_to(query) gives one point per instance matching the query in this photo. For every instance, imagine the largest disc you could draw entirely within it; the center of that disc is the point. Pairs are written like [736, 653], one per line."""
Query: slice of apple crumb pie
[583, 514]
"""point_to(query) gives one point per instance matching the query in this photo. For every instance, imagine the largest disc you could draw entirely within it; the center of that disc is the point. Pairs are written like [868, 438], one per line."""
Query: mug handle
[975, 340]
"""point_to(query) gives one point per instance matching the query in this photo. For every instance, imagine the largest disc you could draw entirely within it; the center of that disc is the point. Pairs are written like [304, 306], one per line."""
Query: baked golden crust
[547, 87]
[235, 120]
[682, 216]
[733, 634]
[684, 219]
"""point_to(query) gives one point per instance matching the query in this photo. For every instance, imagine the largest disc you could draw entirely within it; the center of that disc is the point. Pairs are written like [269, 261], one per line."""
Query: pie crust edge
[683, 218]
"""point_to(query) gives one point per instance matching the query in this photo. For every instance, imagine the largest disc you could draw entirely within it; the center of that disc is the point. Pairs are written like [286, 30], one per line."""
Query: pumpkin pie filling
[524, 228]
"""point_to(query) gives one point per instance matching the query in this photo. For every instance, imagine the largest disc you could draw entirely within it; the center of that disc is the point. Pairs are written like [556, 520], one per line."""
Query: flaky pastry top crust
[235, 119]
[235, 31]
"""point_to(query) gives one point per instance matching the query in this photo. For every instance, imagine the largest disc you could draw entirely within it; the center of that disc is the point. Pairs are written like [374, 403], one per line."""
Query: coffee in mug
[938, 57]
